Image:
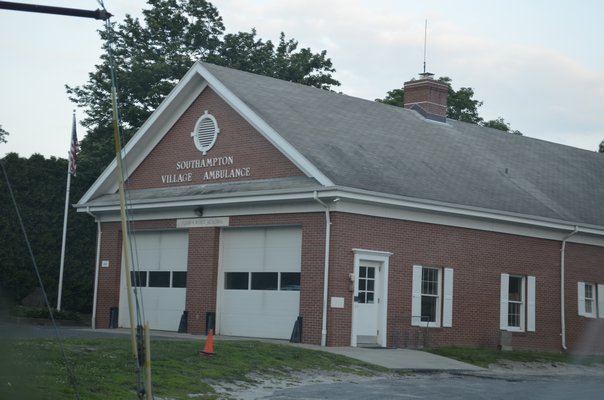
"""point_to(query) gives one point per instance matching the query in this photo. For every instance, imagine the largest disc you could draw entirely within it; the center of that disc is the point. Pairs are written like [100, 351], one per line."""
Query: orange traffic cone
[208, 349]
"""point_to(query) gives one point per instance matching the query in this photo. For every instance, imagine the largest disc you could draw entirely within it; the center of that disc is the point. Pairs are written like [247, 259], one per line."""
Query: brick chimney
[427, 96]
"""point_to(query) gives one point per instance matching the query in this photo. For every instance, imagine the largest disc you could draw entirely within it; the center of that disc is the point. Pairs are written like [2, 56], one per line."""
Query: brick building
[253, 201]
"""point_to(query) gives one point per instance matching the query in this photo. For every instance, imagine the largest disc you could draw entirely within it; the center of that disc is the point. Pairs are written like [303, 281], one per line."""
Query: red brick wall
[202, 276]
[108, 292]
[583, 264]
[478, 258]
[237, 138]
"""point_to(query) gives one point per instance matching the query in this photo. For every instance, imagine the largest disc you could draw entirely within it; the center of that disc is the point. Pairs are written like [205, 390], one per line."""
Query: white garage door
[259, 282]
[161, 277]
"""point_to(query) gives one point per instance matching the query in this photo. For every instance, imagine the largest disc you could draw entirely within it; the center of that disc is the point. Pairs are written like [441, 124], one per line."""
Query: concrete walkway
[400, 359]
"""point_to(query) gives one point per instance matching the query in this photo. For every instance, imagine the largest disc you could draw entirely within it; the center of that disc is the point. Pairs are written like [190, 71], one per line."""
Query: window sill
[518, 330]
[431, 325]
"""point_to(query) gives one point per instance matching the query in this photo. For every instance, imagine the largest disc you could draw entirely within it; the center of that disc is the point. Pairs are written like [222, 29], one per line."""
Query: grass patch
[34, 312]
[105, 368]
[482, 357]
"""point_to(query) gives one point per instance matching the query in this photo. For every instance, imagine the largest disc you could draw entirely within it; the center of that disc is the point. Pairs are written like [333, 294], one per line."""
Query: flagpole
[71, 168]
[64, 235]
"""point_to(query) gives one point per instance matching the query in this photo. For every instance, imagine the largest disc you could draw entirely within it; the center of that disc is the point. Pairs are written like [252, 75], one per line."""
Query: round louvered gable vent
[205, 132]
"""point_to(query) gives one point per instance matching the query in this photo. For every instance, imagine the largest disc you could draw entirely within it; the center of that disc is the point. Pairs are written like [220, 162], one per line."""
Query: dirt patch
[517, 369]
[261, 385]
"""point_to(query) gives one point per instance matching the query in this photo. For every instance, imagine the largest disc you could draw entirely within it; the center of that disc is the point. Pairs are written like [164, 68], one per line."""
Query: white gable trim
[261, 126]
[141, 144]
[172, 108]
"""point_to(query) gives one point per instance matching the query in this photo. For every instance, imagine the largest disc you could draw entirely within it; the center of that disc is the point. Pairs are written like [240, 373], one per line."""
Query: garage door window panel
[179, 279]
[290, 281]
[138, 278]
[236, 280]
[265, 280]
[159, 279]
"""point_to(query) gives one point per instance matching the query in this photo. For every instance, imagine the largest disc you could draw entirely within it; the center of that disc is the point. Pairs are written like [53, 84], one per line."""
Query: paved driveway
[450, 387]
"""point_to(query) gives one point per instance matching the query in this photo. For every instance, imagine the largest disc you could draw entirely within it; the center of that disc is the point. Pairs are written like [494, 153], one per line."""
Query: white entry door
[370, 298]
[367, 302]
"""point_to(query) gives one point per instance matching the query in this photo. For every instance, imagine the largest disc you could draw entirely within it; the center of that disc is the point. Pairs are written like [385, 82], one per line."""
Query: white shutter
[601, 301]
[416, 300]
[530, 299]
[448, 298]
[581, 297]
[503, 311]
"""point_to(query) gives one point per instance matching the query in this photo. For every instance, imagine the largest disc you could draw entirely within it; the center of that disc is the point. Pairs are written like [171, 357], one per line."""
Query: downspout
[562, 285]
[325, 269]
[96, 267]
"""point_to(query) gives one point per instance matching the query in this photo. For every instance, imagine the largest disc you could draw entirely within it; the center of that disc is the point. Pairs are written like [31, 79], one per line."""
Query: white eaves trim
[465, 211]
[168, 112]
[379, 205]
[261, 126]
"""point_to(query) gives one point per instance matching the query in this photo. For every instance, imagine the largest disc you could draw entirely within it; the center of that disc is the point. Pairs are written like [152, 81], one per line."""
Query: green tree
[395, 97]
[149, 57]
[153, 54]
[38, 185]
[3, 135]
[461, 106]
[499, 123]
[246, 52]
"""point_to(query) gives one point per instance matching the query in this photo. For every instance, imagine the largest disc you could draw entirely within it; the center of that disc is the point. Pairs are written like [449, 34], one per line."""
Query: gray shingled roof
[372, 146]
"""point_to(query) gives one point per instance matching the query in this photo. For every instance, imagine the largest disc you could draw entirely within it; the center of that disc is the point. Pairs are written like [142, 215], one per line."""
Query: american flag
[73, 149]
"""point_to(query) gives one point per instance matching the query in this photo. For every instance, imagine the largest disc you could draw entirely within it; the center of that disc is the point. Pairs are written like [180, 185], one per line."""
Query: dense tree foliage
[150, 57]
[246, 52]
[394, 97]
[461, 106]
[499, 123]
[3, 135]
[38, 185]
[153, 54]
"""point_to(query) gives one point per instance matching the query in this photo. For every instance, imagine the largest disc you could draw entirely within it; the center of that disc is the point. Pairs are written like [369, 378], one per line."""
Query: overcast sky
[538, 64]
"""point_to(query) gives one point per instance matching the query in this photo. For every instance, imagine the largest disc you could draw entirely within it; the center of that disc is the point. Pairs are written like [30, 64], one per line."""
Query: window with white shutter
[589, 296]
[517, 303]
[432, 297]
